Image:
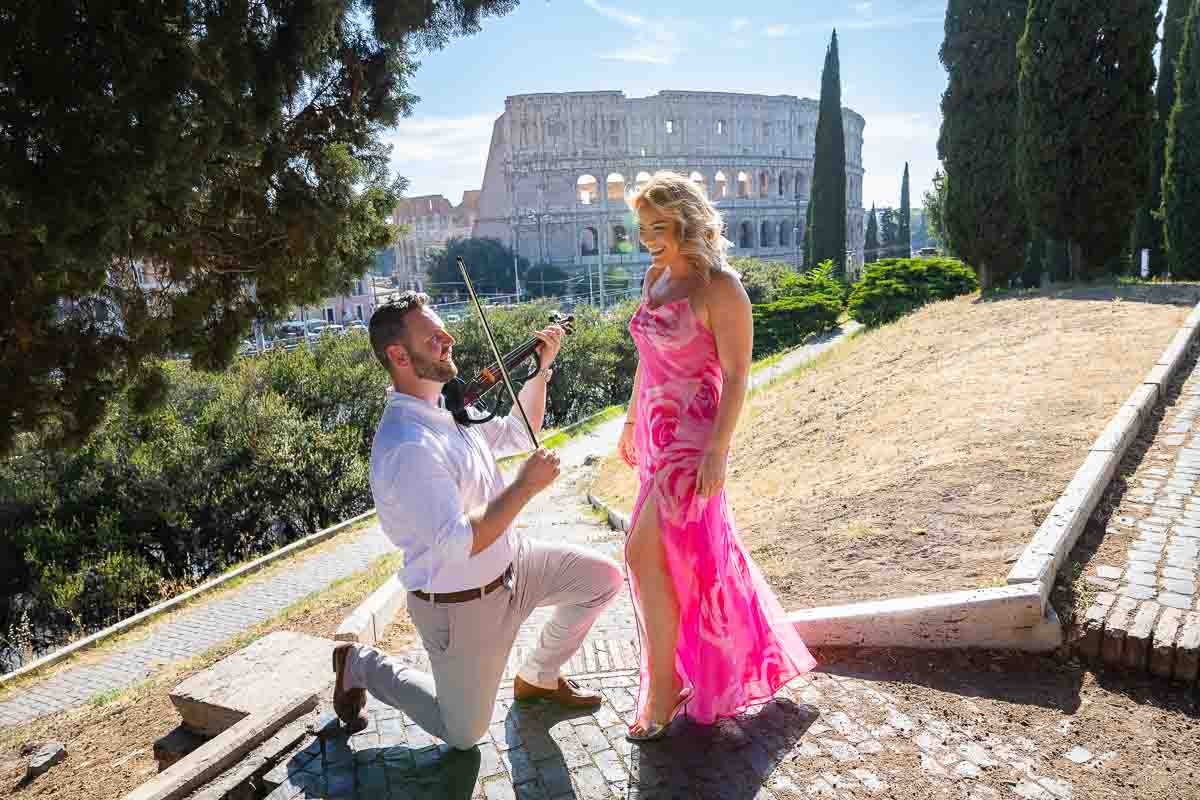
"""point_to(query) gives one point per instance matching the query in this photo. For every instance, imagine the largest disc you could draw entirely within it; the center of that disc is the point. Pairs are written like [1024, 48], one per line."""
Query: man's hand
[551, 337]
[538, 471]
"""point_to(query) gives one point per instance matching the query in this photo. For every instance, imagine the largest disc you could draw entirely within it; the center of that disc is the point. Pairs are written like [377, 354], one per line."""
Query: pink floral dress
[735, 646]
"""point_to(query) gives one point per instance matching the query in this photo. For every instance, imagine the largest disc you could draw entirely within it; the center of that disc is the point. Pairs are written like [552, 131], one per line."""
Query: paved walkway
[193, 631]
[1147, 616]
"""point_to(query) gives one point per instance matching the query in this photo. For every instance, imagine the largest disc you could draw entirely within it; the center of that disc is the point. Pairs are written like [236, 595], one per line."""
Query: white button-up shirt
[427, 472]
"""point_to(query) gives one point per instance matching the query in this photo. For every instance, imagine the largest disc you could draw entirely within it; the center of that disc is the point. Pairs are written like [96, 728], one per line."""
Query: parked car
[927, 252]
[333, 329]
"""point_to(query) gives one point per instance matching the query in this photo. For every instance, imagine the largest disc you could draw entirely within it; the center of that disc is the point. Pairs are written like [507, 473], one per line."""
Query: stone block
[278, 667]
[1007, 617]
[1115, 628]
[1135, 654]
[1162, 651]
[1143, 399]
[48, 755]
[1176, 351]
[1175, 600]
[368, 623]
[1111, 573]
[1187, 649]
[1120, 431]
[1160, 376]
[1091, 631]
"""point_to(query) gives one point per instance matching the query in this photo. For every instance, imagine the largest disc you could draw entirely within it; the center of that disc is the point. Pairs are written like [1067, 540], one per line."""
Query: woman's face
[659, 234]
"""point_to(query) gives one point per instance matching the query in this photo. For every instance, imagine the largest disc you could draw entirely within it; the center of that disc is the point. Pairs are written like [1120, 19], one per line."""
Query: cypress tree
[871, 245]
[983, 212]
[1148, 231]
[808, 235]
[1086, 109]
[905, 232]
[828, 196]
[1181, 180]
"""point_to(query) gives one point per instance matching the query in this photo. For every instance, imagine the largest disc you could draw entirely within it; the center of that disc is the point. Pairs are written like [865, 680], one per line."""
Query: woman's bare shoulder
[725, 286]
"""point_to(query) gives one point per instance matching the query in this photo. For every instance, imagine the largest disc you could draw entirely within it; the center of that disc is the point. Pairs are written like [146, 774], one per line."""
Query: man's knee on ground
[466, 736]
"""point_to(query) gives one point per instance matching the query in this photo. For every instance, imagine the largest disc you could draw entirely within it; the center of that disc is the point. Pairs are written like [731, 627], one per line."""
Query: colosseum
[559, 167]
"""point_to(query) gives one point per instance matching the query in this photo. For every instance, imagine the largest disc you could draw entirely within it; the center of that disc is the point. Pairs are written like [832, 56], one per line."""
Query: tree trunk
[1075, 255]
[985, 277]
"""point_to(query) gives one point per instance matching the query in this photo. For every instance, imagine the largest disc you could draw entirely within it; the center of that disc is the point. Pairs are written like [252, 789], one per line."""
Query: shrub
[808, 304]
[233, 465]
[762, 280]
[892, 287]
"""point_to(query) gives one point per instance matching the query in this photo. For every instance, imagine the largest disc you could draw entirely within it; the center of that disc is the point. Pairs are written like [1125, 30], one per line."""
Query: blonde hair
[699, 222]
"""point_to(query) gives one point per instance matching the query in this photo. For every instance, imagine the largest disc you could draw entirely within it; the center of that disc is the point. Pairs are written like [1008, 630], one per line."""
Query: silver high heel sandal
[656, 730]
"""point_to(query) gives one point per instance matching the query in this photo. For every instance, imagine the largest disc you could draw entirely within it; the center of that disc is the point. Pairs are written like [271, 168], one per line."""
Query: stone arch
[801, 184]
[784, 177]
[743, 184]
[587, 190]
[746, 235]
[721, 127]
[589, 242]
[784, 239]
[641, 180]
[764, 234]
[720, 185]
[616, 186]
[764, 184]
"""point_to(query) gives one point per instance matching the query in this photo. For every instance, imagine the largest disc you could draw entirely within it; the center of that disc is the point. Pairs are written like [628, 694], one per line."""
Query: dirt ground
[110, 747]
[922, 456]
[1143, 734]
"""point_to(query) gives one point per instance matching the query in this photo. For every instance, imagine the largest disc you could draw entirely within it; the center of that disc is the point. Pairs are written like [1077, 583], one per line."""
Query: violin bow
[487, 329]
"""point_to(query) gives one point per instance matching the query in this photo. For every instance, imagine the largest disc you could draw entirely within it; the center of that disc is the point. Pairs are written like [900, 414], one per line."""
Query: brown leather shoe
[349, 704]
[568, 693]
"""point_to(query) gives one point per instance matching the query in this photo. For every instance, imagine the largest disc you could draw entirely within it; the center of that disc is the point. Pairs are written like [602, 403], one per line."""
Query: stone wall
[431, 221]
[560, 165]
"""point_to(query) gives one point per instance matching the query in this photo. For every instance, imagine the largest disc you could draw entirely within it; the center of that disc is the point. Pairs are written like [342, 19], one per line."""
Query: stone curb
[1008, 617]
[1044, 555]
[175, 602]
[216, 755]
[368, 623]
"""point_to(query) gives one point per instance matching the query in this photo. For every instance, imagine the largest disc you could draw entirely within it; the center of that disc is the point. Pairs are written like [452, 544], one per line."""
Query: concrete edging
[367, 623]
[1044, 555]
[217, 754]
[175, 602]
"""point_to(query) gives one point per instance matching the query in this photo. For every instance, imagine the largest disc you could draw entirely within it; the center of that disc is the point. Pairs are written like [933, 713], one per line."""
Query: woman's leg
[659, 610]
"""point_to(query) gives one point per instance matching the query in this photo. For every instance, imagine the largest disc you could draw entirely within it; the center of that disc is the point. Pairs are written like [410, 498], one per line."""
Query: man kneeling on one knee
[472, 578]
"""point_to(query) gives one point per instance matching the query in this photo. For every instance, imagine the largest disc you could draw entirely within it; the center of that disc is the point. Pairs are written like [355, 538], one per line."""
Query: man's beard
[430, 370]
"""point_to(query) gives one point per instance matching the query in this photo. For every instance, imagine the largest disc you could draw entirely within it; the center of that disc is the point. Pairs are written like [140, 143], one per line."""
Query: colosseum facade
[559, 167]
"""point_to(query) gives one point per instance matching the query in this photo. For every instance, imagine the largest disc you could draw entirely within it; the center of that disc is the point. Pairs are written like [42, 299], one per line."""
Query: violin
[462, 399]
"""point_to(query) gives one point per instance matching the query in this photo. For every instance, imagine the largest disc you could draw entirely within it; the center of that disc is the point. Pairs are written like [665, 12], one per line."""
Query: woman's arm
[732, 324]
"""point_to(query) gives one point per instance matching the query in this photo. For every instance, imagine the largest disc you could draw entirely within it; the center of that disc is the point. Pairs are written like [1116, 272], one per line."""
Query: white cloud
[441, 155]
[777, 31]
[864, 8]
[655, 41]
[739, 24]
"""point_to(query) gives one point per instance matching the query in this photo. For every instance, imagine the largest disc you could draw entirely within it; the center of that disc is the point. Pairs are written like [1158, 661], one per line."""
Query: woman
[714, 638]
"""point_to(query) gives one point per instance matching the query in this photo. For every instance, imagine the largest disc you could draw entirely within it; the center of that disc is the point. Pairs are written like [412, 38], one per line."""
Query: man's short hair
[387, 323]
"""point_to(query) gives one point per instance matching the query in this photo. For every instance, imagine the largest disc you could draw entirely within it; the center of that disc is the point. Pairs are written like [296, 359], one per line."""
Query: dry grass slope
[922, 456]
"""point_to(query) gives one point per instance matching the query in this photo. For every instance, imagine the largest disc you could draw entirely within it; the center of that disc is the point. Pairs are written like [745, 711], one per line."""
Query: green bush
[762, 280]
[234, 465]
[808, 304]
[892, 287]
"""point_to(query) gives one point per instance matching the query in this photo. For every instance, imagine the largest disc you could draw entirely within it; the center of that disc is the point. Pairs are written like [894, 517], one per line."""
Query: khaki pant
[469, 643]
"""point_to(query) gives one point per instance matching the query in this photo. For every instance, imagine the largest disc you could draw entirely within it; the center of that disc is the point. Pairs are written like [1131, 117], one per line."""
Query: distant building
[431, 221]
[560, 166]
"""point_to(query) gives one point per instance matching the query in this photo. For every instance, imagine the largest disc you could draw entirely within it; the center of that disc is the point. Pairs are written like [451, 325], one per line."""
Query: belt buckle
[507, 579]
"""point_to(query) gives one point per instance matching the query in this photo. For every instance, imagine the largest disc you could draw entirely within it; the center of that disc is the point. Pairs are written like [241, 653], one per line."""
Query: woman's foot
[654, 724]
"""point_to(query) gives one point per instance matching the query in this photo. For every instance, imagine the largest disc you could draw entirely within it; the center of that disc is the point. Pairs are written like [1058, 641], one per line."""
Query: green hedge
[231, 466]
[808, 304]
[892, 287]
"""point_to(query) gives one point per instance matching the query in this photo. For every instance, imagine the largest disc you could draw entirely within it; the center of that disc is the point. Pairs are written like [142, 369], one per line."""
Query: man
[472, 579]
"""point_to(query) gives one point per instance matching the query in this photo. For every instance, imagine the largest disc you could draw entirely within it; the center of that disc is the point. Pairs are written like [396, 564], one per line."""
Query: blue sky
[890, 74]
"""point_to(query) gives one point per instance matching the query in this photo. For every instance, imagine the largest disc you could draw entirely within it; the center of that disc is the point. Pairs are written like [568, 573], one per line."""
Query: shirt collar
[414, 405]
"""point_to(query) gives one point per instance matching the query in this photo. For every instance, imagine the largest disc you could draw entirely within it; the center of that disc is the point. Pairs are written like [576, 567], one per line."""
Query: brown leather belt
[466, 595]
